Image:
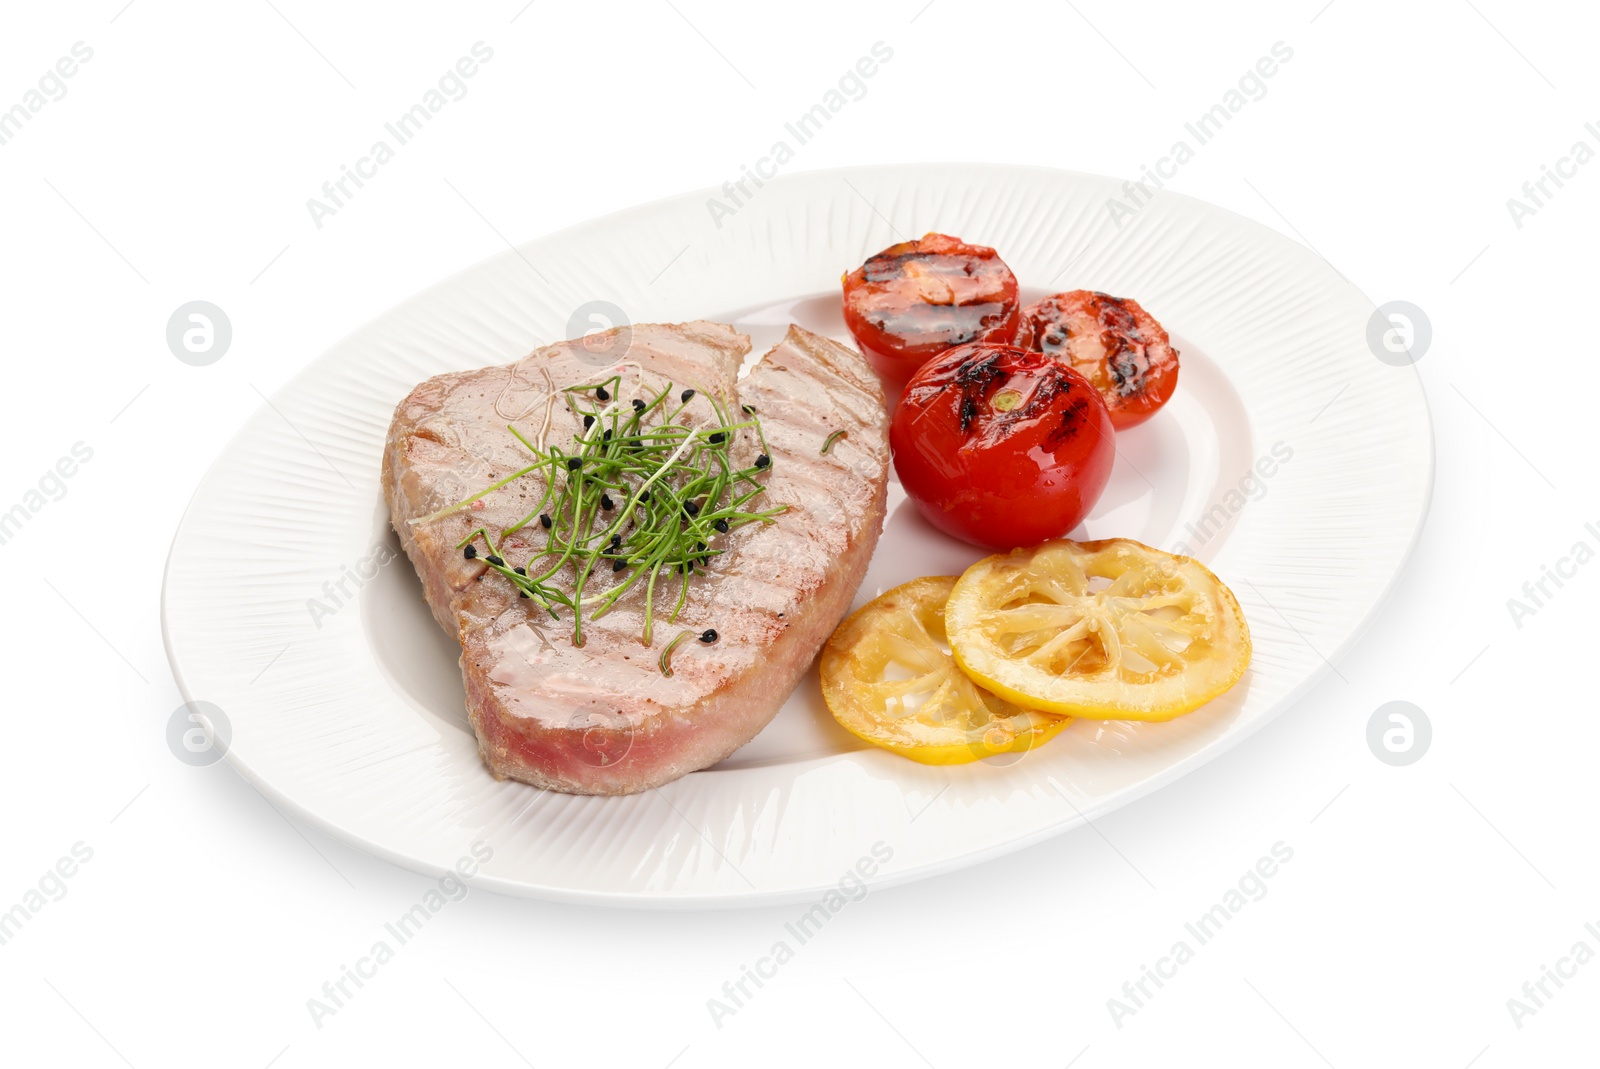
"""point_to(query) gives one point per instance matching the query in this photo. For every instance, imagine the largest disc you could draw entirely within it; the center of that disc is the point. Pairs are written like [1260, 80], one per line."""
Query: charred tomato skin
[912, 301]
[1111, 341]
[1002, 446]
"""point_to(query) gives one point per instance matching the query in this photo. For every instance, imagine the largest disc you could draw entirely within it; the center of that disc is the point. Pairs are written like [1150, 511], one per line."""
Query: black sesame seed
[749, 410]
[721, 525]
[638, 405]
[470, 552]
[709, 635]
[606, 437]
[600, 392]
[495, 560]
[717, 438]
[588, 421]
[699, 545]
[522, 593]
[618, 565]
[574, 463]
[686, 396]
[606, 502]
[763, 461]
[544, 521]
[692, 507]
[521, 571]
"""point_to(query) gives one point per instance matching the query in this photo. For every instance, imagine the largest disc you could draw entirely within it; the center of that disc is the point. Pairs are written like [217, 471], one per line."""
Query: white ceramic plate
[1312, 459]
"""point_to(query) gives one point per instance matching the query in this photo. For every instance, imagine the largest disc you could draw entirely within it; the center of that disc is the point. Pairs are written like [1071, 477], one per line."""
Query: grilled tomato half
[914, 300]
[1111, 341]
[1000, 446]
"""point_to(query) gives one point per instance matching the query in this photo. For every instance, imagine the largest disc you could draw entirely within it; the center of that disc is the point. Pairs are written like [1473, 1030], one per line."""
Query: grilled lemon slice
[888, 679]
[1109, 630]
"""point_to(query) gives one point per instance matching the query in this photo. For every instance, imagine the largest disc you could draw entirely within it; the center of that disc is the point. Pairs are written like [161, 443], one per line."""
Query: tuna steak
[603, 717]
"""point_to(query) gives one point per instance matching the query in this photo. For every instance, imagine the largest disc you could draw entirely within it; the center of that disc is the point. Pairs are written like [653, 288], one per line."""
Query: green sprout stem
[666, 654]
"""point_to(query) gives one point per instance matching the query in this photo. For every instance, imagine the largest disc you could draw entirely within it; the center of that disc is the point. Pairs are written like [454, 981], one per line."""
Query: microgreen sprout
[666, 654]
[640, 496]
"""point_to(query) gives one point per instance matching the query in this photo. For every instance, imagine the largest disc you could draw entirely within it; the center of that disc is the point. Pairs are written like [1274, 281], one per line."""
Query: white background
[1418, 900]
